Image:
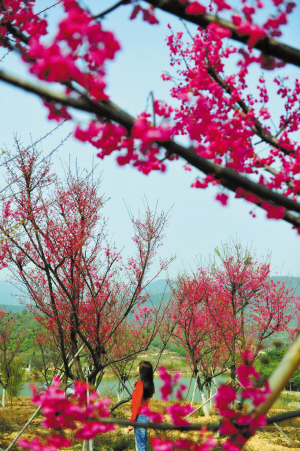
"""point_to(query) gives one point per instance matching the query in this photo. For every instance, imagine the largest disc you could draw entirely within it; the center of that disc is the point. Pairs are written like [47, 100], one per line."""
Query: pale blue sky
[197, 222]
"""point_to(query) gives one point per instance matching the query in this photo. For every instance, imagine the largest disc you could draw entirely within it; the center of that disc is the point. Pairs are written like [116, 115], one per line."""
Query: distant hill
[158, 286]
[9, 300]
[8, 293]
[156, 299]
[12, 308]
[159, 291]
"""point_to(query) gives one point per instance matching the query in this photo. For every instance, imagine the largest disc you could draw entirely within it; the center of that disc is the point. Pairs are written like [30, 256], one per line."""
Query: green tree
[13, 375]
[267, 363]
[10, 344]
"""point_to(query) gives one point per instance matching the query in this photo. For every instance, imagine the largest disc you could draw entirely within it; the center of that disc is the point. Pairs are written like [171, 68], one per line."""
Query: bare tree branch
[112, 8]
[107, 109]
[189, 427]
[49, 7]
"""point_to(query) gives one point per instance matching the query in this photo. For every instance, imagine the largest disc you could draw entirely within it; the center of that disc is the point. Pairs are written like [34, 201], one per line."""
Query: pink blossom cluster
[148, 14]
[141, 149]
[20, 14]
[238, 425]
[217, 112]
[220, 116]
[77, 54]
[82, 413]
[160, 444]
[169, 383]
[213, 303]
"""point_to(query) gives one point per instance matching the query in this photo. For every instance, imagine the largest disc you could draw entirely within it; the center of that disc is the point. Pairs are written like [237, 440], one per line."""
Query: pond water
[110, 386]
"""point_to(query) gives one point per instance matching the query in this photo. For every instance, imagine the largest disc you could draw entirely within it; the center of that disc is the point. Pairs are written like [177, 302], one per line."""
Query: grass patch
[285, 399]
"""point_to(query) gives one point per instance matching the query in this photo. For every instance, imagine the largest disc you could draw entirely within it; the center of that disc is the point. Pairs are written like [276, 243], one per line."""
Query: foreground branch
[267, 45]
[189, 427]
[160, 426]
[118, 404]
[112, 8]
[283, 417]
[106, 109]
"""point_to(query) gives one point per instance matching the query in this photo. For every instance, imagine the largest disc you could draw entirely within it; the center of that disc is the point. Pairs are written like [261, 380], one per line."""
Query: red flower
[195, 8]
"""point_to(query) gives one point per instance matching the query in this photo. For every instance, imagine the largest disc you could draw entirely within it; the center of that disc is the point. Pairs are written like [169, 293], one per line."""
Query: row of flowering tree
[228, 308]
[52, 241]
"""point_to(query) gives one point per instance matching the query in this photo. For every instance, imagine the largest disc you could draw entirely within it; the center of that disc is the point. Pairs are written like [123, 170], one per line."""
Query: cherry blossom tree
[196, 331]
[80, 289]
[46, 357]
[245, 305]
[157, 321]
[135, 334]
[229, 308]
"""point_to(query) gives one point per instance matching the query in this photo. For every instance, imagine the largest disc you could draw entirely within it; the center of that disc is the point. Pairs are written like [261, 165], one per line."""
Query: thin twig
[49, 7]
[112, 8]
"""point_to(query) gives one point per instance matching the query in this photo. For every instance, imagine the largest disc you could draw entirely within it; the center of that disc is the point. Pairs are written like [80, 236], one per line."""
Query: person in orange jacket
[141, 395]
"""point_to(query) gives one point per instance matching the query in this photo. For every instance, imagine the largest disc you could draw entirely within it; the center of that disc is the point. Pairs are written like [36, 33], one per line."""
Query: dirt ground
[13, 418]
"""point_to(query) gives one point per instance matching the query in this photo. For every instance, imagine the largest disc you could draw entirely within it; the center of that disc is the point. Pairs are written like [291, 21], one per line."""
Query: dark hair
[146, 375]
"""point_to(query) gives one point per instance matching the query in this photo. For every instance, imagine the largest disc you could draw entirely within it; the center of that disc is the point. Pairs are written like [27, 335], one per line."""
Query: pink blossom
[229, 446]
[219, 31]
[227, 427]
[208, 444]
[176, 411]
[180, 391]
[274, 211]
[254, 31]
[245, 372]
[147, 133]
[198, 184]
[221, 4]
[176, 377]
[258, 422]
[148, 16]
[225, 396]
[153, 416]
[166, 390]
[222, 198]
[195, 8]
[52, 443]
[161, 445]
[135, 11]
[57, 113]
[162, 109]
